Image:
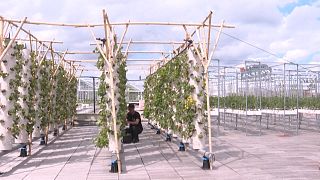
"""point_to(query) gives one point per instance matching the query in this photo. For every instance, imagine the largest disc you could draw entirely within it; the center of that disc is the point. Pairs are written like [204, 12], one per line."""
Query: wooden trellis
[201, 31]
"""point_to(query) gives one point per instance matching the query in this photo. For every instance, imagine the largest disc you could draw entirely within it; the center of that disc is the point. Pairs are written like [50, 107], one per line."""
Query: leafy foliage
[168, 97]
[273, 102]
[105, 119]
[16, 111]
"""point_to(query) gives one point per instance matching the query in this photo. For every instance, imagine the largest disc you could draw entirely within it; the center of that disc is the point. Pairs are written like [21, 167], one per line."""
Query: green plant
[169, 87]
[105, 119]
[14, 96]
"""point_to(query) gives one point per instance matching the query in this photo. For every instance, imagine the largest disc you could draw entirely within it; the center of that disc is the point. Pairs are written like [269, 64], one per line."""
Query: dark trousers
[135, 131]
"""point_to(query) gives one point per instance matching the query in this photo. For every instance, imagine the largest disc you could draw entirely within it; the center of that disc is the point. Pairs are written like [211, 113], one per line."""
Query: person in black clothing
[134, 121]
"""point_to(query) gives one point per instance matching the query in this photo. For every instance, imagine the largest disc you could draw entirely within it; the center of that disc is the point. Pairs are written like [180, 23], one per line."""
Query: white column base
[6, 141]
[36, 131]
[51, 127]
[198, 143]
[112, 144]
[23, 137]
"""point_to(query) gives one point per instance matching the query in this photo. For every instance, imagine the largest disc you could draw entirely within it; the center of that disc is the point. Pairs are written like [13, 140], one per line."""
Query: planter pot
[182, 147]
[42, 140]
[55, 132]
[23, 151]
[6, 141]
[114, 166]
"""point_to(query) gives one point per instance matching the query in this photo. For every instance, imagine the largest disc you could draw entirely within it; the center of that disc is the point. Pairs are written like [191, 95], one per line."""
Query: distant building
[133, 94]
[86, 91]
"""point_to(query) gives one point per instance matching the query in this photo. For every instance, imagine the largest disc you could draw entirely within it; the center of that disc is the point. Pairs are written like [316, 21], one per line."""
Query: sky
[270, 31]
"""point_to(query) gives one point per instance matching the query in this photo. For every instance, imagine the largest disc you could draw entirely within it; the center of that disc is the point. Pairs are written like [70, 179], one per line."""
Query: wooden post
[30, 41]
[62, 59]
[1, 34]
[127, 49]
[207, 86]
[113, 112]
[121, 40]
[30, 144]
[206, 66]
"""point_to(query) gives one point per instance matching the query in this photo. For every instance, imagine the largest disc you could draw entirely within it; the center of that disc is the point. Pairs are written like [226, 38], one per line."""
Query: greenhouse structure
[192, 101]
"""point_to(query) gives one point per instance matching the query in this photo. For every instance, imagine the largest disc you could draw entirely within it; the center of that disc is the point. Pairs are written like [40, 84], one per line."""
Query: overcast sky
[287, 28]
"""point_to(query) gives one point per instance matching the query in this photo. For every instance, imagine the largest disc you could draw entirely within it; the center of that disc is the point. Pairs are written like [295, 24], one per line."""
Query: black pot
[42, 140]
[205, 163]
[182, 147]
[55, 132]
[168, 137]
[23, 151]
[114, 166]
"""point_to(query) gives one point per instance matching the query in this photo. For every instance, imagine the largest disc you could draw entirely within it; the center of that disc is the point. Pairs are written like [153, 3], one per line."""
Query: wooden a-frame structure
[199, 34]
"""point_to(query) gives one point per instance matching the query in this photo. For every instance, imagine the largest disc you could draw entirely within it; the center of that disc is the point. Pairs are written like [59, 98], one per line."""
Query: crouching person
[134, 122]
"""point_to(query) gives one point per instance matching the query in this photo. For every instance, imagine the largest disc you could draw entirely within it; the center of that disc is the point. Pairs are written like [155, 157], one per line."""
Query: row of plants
[273, 102]
[33, 101]
[174, 96]
[105, 136]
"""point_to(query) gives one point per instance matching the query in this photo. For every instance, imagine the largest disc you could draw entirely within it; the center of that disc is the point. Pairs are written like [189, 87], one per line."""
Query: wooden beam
[121, 40]
[44, 41]
[4, 52]
[215, 44]
[106, 18]
[150, 42]
[153, 52]
[79, 25]
[127, 49]
[95, 60]
[99, 47]
[209, 37]
[135, 52]
[28, 32]
[44, 56]
[62, 59]
[207, 87]
[106, 34]
[30, 41]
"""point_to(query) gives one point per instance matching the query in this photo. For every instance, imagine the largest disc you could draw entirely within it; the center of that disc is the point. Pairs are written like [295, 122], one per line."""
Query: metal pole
[246, 93]
[298, 116]
[224, 96]
[94, 94]
[284, 98]
[260, 94]
[218, 97]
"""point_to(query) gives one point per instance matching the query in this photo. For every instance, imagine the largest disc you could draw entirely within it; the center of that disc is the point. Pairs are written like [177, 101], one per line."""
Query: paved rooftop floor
[270, 156]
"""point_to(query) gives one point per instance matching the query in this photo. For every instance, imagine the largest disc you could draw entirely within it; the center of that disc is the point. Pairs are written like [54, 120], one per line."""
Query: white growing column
[25, 74]
[115, 75]
[196, 79]
[6, 121]
[36, 128]
[53, 121]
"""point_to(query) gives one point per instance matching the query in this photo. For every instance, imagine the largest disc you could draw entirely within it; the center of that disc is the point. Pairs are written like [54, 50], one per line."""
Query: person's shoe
[135, 140]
